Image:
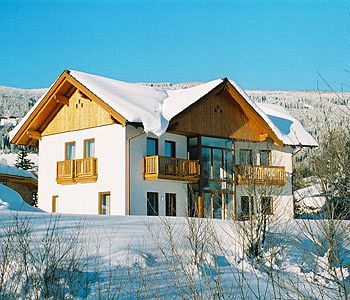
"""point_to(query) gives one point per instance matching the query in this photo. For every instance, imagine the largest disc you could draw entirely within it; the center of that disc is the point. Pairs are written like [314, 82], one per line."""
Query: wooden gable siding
[80, 113]
[218, 115]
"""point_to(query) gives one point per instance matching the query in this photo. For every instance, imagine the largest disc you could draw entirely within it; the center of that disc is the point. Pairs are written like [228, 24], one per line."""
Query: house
[23, 182]
[111, 147]
[8, 121]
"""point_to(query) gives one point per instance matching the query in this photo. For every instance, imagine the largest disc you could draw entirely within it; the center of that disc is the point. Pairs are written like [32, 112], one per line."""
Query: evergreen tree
[22, 160]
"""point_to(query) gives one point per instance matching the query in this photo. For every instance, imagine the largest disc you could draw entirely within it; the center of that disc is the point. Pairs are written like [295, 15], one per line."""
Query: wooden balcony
[162, 167]
[261, 175]
[77, 170]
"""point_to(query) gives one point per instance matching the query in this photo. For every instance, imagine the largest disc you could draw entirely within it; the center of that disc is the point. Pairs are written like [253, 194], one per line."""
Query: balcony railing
[261, 175]
[77, 170]
[162, 167]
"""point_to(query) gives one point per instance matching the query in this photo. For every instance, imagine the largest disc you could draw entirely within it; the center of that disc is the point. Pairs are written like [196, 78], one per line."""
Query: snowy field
[44, 256]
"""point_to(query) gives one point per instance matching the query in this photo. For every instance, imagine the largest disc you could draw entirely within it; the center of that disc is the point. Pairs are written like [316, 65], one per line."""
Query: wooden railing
[77, 170]
[162, 167]
[261, 175]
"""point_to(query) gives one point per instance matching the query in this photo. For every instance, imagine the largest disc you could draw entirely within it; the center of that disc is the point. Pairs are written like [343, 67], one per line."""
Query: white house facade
[110, 147]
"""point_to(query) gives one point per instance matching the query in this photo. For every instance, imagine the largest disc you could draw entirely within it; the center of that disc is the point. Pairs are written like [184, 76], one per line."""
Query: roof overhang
[38, 118]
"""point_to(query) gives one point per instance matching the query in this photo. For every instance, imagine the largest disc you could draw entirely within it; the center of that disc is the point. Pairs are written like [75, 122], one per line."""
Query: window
[89, 148]
[266, 205]
[54, 204]
[247, 206]
[265, 157]
[152, 204]
[245, 157]
[70, 151]
[170, 204]
[170, 149]
[152, 146]
[104, 203]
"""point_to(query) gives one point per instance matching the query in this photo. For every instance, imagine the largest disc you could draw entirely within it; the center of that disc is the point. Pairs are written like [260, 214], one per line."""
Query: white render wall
[283, 203]
[139, 187]
[82, 198]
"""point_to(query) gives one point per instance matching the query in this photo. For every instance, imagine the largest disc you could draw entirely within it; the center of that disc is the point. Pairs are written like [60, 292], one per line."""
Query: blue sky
[259, 44]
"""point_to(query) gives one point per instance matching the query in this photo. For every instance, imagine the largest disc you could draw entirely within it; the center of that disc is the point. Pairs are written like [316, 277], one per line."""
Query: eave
[51, 103]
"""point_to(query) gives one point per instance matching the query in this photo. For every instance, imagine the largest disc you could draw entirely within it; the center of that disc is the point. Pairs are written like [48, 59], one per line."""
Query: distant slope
[312, 108]
[16, 102]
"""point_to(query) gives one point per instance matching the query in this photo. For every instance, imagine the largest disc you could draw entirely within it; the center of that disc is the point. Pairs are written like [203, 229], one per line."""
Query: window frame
[54, 203]
[66, 150]
[270, 211]
[170, 211]
[250, 158]
[156, 146]
[108, 211]
[171, 143]
[269, 157]
[154, 213]
[85, 148]
[251, 208]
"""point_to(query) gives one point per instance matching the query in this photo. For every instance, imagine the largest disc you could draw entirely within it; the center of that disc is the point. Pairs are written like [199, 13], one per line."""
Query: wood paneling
[80, 113]
[218, 115]
[171, 168]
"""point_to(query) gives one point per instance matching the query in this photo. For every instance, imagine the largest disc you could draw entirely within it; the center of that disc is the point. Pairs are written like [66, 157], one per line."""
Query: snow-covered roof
[290, 129]
[135, 102]
[13, 171]
[155, 107]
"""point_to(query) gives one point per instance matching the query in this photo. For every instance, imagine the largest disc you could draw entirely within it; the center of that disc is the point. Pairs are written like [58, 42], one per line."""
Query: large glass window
[217, 206]
[104, 206]
[89, 148]
[170, 149]
[152, 204]
[216, 176]
[152, 146]
[170, 204]
[70, 151]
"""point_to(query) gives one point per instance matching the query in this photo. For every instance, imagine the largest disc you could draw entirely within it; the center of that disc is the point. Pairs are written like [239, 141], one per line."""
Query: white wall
[82, 198]
[140, 187]
[283, 204]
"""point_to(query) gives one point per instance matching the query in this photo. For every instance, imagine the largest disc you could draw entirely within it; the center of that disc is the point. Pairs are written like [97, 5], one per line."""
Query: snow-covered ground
[134, 257]
[310, 199]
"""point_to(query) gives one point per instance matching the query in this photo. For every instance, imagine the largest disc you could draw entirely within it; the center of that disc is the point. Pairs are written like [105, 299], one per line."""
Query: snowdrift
[11, 200]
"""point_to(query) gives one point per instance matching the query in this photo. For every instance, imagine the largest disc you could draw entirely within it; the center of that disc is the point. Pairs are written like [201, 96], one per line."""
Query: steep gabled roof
[153, 107]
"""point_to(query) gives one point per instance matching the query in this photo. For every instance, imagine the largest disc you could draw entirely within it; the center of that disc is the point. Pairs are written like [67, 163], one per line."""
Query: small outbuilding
[23, 182]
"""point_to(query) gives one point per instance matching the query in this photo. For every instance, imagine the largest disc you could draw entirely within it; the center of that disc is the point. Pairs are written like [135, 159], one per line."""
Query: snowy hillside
[16, 102]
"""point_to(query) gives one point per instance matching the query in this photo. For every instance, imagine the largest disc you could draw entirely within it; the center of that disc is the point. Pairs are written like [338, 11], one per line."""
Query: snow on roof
[155, 107]
[179, 100]
[291, 130]
[11, 200]
[13, 171]
[135, 102]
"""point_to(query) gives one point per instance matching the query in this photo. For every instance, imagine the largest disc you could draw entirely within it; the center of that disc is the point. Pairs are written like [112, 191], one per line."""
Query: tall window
[265, 157]
[70, 151]
[245, 157]
[89, 148]
[152, 146]
[170, 149]
[152, 204]
[170, 204]
[104, 203]
[247, 206]
[266, 205]
[54, 204]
